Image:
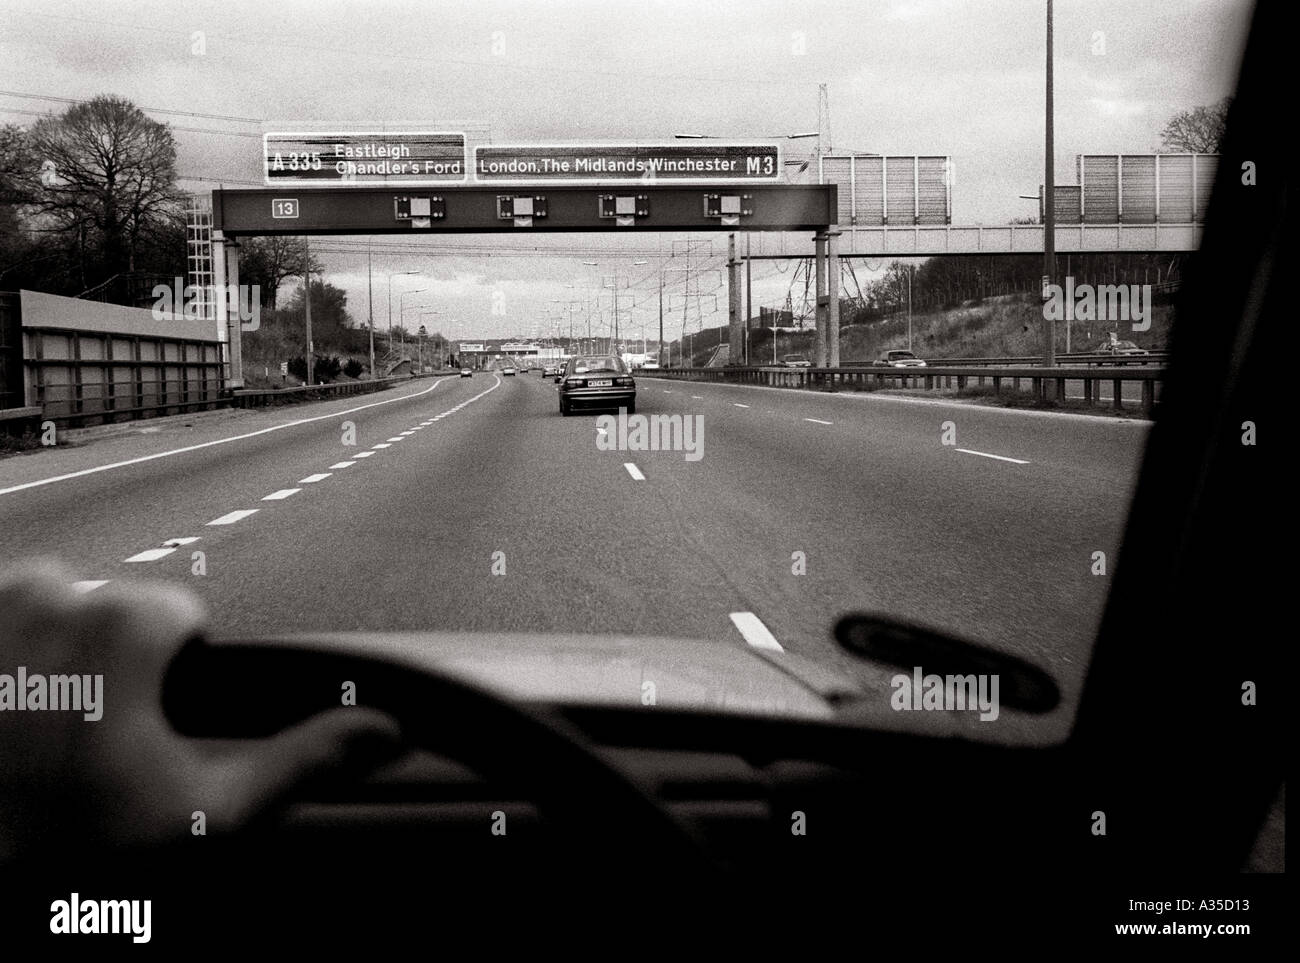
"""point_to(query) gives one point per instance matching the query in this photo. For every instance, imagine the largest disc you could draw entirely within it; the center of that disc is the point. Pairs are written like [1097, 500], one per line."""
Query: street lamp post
[370, 297]
[390, 303]
[306, 303]
[1049, 216]
[401, 311]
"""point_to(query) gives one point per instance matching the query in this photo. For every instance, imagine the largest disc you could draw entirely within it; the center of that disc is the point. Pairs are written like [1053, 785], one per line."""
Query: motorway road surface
[992, 537]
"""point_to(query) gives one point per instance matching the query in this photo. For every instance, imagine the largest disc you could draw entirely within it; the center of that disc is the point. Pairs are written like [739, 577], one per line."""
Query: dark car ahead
[597, 381]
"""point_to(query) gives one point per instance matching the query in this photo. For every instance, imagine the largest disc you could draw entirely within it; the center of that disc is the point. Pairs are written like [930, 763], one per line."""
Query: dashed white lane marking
[985, 454]
[363, 454]
[634, 471]
[394, 438]
[88, 586]
[181, 541]
[737, 404]
[667, 392]
[209, 444]
[343, 464]
[152, 555]
[818, 421]
[381, 445]
[282, 493]
[312, 479]
[405, 433]
[754, 631]
[698, 397]
[232, 517]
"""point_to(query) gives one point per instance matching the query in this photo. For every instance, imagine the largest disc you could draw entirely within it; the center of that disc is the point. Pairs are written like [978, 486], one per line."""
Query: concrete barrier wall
[53, 311]
[86, 361]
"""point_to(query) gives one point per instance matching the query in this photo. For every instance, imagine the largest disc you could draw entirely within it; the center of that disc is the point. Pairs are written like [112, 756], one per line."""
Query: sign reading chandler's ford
[364, 158]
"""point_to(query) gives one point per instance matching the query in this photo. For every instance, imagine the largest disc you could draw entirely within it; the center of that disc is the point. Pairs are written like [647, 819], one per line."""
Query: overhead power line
[152, 110]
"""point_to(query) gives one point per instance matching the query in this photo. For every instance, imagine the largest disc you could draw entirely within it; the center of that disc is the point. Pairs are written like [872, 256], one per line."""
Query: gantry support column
[819, 287]
[230, 300]
[833, 293]
[735, 327]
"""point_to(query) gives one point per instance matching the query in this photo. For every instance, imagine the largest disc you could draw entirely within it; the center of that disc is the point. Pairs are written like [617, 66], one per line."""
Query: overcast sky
[956, 77]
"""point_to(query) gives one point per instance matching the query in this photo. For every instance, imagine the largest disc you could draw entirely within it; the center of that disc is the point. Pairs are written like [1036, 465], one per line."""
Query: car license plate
[600, 384]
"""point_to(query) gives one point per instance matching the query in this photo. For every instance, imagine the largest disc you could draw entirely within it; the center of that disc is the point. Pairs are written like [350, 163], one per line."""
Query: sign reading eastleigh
[627, 163]
[322, 159]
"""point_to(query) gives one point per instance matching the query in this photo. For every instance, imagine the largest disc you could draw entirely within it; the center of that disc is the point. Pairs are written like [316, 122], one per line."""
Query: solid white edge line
[634, 471]
[985, 454]
[231, 517]
[209, 444]
[754, 631]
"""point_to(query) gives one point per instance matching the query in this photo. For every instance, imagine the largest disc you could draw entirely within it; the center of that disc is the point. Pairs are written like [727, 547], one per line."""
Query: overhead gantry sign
[425, 182]
[298, 211]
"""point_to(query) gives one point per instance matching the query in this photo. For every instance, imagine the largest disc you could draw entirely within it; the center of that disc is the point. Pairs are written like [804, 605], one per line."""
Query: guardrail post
[1117, 393]
[1087, 391]
[1148, 396]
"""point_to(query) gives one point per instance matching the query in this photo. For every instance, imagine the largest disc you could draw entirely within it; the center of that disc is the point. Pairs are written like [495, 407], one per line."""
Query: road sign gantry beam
[523, 209]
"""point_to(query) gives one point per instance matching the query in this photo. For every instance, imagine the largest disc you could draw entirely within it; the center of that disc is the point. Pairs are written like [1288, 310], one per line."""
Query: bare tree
[269, 261]
[106, 176]
[1197, 131]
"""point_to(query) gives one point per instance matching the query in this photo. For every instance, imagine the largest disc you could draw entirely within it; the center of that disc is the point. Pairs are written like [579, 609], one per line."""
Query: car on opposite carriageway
[1120, 349]
[900, 358]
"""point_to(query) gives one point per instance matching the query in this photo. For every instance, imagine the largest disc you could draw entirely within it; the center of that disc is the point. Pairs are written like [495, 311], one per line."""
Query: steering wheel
[596, 808]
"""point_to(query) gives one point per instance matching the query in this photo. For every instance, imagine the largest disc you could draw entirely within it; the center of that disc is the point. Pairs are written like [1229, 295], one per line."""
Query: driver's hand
[129, 778]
